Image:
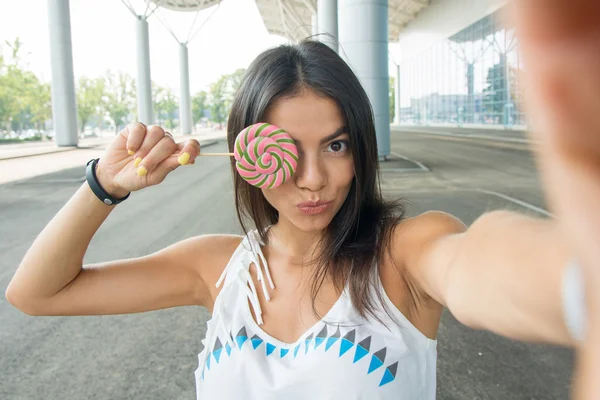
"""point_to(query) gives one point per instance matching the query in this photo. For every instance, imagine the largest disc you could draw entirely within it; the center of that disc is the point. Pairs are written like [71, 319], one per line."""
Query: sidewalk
[27, 160]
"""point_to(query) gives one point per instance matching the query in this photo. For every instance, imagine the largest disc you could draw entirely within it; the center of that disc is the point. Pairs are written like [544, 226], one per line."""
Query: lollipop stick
[217, 154]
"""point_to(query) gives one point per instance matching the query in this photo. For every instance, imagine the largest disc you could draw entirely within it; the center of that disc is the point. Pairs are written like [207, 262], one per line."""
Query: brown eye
[338, 146]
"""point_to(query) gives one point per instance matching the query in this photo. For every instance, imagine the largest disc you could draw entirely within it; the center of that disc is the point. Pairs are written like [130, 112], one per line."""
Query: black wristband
[92, 180]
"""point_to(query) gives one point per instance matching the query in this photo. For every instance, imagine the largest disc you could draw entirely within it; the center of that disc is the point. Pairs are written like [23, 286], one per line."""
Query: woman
[335, 294]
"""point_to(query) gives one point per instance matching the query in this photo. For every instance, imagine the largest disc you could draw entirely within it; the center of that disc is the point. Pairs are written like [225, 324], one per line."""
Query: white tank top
[343, 356]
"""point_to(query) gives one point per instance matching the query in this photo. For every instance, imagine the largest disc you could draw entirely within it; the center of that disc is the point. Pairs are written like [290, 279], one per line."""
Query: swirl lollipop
[266, 155]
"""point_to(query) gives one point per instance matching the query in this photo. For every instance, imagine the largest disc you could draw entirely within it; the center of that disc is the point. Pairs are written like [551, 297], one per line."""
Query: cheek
[341, 172]
[278, 197]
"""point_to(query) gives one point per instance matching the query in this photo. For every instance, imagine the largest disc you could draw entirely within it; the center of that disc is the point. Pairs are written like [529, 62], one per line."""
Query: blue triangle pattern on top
[217, 354]
[345, 345]
[360, 353]
[318, 341]
[256, 341]
[347, 342]
[330, 342]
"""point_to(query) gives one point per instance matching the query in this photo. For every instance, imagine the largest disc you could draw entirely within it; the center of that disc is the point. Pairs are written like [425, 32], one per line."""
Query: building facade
[471, 77]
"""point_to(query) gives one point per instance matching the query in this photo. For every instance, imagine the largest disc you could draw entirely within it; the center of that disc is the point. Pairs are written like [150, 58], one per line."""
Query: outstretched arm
[502, 274]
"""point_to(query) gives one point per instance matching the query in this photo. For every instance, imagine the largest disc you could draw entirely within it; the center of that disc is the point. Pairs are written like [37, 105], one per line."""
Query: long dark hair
[360, 232]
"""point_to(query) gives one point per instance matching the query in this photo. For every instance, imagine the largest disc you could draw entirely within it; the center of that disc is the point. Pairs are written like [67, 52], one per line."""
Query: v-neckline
[249, 319]
[247, 312]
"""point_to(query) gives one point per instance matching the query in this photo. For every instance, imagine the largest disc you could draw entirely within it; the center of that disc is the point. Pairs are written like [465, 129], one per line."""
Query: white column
[397, 98]
[185, 109]
[64, 109]
[327, 22]
[144, 83]
[363, 35]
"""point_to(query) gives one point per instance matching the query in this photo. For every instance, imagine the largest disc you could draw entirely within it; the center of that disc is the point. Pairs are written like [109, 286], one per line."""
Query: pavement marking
[420, 164]
[517, 201]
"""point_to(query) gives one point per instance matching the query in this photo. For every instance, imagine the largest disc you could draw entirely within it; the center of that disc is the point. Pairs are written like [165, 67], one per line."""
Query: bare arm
[52, 280]
[503, 274]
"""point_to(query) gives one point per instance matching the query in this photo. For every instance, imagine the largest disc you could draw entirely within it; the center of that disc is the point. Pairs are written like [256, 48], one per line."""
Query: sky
[103, 38]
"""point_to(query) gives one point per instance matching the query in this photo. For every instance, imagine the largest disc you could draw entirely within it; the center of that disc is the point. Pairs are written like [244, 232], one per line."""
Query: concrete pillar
[144, 83]
[185, 108]
[363, 35]
[315, 24]
[397, 98]
[64, 109]
[327, 22]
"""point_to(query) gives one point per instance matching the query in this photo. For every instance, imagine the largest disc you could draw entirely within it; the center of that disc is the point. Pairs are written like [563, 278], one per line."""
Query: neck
[286, 238]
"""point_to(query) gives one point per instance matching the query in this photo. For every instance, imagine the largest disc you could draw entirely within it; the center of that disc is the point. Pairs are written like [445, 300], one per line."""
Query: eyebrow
[339, 132]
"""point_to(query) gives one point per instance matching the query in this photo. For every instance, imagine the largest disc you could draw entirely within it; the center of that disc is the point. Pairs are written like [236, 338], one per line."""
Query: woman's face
[314, 194]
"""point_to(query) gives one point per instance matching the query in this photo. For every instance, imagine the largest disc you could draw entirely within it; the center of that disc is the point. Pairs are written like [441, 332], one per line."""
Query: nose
[311, 173]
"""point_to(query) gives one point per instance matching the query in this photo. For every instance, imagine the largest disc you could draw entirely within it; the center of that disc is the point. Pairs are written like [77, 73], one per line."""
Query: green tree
[218, 100]
[221, 94]
[119, 97]
[41, 107]
[16, 87]
[25, 101]
[89, 99]
[199, 105]
[235, 80]
[167, 104]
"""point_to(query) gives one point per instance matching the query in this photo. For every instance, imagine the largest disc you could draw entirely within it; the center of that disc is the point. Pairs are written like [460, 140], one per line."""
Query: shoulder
[208, 247]
[427, 226]
[421, 243]
[209, 255]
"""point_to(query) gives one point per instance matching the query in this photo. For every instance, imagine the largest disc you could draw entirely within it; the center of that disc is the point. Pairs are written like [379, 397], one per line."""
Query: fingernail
[142, 171]
[131, 152]
[137, 162]
[184, 158]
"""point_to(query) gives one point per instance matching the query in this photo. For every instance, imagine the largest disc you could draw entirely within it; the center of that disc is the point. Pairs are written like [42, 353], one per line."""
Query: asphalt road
[153, 355]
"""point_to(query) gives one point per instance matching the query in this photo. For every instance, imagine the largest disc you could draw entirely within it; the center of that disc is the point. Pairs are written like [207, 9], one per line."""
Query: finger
[134, 134]
[162, 150]
[188, 151]
[153, 135]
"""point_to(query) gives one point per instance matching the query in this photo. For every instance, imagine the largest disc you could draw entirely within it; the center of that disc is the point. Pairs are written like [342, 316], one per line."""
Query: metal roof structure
[293, 18]
[185, 5]
[486, 26]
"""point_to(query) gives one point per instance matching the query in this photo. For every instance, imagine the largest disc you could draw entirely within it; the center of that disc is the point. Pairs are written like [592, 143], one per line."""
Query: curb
[54, 150]
[206, 142]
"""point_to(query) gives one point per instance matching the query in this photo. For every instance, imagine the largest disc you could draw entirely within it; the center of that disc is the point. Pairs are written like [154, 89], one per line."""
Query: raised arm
[502, 274]
[52, 279]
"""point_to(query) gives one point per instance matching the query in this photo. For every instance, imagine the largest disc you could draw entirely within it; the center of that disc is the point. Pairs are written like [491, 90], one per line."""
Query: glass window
[470, 78]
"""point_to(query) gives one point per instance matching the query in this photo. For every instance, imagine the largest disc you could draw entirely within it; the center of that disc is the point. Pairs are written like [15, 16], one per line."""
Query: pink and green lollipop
[266, 155]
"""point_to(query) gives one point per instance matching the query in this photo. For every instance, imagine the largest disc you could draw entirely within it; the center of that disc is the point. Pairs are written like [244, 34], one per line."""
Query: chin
[316, 223]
